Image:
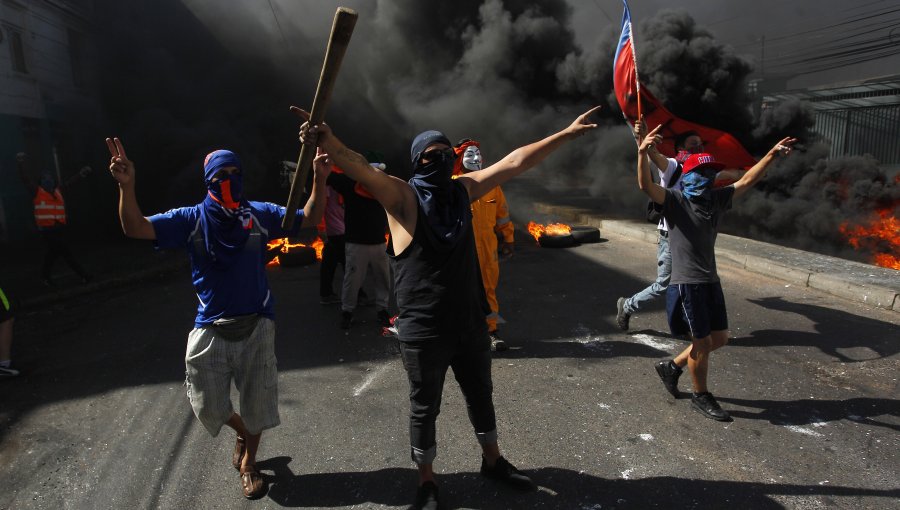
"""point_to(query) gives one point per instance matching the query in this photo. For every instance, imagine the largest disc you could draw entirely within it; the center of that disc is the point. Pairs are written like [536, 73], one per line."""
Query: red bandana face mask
[227, 192]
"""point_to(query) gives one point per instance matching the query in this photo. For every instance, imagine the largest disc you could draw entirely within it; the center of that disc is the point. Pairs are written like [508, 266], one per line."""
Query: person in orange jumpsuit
[490, 216]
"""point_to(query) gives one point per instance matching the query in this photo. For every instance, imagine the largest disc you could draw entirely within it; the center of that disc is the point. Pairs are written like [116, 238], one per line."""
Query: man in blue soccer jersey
[234, 333]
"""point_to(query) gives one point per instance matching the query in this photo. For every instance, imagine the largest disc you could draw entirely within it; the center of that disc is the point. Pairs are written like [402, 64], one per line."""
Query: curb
[862, 283]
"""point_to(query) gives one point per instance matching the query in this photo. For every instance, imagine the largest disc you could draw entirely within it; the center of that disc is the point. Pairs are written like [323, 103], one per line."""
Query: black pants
[56, 247]
[332, 255]
[426, 363]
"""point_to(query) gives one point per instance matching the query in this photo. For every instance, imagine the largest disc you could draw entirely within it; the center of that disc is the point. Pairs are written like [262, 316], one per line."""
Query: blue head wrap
[224, 215]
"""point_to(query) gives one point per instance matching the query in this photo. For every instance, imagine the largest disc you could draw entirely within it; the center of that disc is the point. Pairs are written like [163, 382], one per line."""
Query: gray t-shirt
[692, 234]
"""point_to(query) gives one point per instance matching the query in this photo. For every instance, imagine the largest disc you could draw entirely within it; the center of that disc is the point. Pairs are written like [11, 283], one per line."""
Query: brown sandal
[252, 483]
[240, 448]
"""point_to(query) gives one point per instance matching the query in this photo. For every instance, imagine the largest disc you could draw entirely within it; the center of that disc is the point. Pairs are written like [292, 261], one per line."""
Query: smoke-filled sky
[192, 76]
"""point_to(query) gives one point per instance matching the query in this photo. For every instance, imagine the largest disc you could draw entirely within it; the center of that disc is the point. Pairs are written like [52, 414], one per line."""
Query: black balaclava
[443, 200]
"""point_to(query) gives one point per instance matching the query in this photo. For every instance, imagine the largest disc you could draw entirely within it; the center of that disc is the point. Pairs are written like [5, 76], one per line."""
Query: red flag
[635, 100]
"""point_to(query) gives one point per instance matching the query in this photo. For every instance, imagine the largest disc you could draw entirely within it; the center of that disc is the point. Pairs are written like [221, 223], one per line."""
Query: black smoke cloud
[186, 77]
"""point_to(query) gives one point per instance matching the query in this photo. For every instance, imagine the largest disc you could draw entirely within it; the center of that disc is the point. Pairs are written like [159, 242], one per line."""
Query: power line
[845, 63]
[863, 6]
[825, 27]
[826, 51]
[847, 34]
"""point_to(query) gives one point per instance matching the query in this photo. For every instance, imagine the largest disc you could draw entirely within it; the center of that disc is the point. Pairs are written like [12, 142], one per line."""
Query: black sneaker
[669, 372]
[384, 318]
[705, 404]
[346, 319]
[497, 343]
[622, 317]
[426, 497]
[7, 372]
[505, 472]
[330, 299]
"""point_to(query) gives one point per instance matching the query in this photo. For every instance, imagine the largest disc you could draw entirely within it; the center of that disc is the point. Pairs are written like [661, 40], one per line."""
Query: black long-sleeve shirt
[365, 221]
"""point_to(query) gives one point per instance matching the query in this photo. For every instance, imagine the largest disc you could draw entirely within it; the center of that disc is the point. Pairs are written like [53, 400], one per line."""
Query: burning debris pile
[287, 254]
[846, 206]
[880, 236]
[560, 235]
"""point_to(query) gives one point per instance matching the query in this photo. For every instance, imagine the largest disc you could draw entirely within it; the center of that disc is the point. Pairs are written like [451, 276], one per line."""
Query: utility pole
[762, 56]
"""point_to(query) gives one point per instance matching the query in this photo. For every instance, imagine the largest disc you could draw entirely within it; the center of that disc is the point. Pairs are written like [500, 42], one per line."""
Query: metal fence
[871, 130]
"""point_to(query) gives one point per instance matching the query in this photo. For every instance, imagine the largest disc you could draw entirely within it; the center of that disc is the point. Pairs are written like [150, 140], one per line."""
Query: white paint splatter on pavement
[800, 430]
[591, 340]
[370, 378]
[654, 341]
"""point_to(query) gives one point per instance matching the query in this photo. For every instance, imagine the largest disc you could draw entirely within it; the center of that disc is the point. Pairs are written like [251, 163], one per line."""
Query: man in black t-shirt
[695, 303]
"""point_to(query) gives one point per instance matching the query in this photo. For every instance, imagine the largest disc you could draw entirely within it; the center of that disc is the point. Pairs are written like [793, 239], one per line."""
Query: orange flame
[881, 236]
[554, 229]
[284, 245]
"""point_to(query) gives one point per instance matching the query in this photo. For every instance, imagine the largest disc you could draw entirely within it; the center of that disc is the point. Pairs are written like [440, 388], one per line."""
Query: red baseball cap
[702, 160]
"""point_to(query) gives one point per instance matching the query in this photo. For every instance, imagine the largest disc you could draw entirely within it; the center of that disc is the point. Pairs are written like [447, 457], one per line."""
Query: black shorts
[7, 310]
[696, 308]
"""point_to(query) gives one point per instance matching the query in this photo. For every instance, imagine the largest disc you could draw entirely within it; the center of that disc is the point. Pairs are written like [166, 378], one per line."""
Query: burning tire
[557, 240]
[584, 234]
[299, 256]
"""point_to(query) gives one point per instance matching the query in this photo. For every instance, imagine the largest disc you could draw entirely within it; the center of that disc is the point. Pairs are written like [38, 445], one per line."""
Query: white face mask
[472, 158]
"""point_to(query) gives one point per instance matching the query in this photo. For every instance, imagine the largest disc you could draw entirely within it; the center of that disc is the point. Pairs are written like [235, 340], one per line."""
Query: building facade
[48, 103]
[855, 118]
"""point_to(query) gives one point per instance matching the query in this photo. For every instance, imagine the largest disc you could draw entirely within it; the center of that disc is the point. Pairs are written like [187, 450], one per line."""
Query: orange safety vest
[49, 209]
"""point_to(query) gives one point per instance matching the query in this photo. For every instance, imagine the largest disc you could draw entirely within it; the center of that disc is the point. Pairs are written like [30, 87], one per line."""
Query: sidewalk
[112, 263]
[855, 281]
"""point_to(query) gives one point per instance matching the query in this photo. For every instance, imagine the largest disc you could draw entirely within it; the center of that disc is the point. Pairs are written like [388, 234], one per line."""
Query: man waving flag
[635, 101]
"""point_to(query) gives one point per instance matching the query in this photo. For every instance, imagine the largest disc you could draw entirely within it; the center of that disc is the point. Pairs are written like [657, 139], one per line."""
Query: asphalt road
[100, 419]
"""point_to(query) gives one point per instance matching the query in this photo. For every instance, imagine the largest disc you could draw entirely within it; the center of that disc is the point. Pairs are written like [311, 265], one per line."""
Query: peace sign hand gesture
[121, 168]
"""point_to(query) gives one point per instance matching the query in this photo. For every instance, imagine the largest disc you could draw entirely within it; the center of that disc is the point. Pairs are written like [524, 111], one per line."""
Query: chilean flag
[633, 98]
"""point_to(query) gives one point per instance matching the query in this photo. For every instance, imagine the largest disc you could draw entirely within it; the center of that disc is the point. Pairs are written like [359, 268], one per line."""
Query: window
[17, 48]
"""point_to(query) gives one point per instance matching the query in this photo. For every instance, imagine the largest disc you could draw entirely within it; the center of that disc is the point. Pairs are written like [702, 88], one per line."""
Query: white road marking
[646, 437]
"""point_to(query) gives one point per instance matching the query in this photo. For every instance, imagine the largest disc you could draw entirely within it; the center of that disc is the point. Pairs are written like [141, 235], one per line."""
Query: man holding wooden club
[234, 332]
[438, 287]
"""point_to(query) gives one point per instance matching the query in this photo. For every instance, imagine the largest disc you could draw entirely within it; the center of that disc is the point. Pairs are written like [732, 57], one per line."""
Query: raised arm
[393, 194]
[315, 205]
[656, 157]
[82, 173]
[134, 224]
[758, 171]
[479, 182]
[656, 192]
